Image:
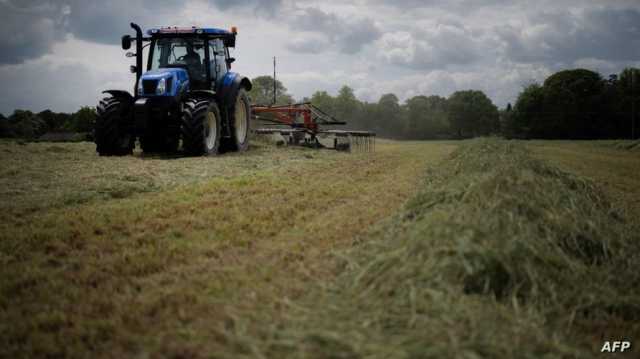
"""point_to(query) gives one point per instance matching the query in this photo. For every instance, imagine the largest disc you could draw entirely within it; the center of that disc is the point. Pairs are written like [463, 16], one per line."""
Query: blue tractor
[188, 97]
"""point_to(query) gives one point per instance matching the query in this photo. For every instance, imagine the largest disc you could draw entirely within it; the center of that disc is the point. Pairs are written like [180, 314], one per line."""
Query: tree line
[576, 104]
[464, 114]
[29, 125]
[570, 104]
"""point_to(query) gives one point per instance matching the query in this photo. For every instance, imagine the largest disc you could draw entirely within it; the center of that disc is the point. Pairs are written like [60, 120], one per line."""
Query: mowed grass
[150, 256]
[614, 165]
[499, 255]
[505, 249]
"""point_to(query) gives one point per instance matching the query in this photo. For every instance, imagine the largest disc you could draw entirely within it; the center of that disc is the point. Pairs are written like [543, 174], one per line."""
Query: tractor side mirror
[133, 69]
[126, 42]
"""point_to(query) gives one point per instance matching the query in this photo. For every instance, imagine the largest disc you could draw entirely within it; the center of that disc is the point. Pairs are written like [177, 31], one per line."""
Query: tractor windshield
[181, 52]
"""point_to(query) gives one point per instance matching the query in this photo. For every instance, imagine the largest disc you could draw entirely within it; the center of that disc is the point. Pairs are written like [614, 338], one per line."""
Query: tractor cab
[201, 53]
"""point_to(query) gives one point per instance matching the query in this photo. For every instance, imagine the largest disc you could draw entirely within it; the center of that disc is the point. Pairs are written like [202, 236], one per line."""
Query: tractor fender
[120, 94]
[231, 83]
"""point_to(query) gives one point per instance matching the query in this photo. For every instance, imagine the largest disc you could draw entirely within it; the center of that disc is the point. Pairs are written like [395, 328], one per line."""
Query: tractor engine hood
[163, 82]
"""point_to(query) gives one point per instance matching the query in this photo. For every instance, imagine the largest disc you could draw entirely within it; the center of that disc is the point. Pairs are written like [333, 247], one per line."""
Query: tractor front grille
[149, 87]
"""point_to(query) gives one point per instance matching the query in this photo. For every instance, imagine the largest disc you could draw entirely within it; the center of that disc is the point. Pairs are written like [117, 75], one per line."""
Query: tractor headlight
[162, 87]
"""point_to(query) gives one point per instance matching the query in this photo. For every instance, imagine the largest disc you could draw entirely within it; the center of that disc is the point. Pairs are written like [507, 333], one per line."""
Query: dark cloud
[457, 6]
[39, 86]
[105, 21]
[102, 21]
[565, 37]
[347, 35]
[268, 7]
[495, 44]
[29, 28]
[442, 46]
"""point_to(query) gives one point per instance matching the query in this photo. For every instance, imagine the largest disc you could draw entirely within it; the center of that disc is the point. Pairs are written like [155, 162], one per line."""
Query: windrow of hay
[499, 256]
[629, 145]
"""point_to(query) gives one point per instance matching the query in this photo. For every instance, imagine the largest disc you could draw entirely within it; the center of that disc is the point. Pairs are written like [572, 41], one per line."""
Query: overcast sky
[60, 54]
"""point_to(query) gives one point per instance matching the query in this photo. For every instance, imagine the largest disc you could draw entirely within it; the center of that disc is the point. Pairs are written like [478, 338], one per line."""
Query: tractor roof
[189, 30]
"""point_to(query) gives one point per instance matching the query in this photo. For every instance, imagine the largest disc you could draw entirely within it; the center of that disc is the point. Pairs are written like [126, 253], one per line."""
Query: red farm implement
[304, 124]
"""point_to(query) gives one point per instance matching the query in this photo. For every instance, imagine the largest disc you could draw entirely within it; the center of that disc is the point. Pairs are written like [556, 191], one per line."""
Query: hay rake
[302, 125]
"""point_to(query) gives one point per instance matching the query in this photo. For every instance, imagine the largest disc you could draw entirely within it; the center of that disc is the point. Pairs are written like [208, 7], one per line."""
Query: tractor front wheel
[239, 123]
[114, 128]
[200, 127]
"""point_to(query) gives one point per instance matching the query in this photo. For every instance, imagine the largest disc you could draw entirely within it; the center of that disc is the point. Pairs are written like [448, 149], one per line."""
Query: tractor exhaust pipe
[138, 54]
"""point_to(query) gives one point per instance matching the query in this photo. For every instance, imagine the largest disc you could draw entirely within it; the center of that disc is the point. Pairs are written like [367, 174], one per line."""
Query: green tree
[262, 92]
[5, 128]
[366, 117]
[627, 107]
[26, 124]
[471, 113]
[82, 121]
[527, 114]
[389, 116]
[347, 105]
[572, 101]
[426, 117]
[325, 102]
[506, 121]
[55, 122]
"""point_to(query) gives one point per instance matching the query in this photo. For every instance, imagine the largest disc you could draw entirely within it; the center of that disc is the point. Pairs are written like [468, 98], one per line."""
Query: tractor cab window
[184, 53]
[217, 59]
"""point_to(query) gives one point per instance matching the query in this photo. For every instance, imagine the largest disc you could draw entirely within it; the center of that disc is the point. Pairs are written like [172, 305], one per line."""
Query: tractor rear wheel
[200, 127]
[114, 128]
[239, 123]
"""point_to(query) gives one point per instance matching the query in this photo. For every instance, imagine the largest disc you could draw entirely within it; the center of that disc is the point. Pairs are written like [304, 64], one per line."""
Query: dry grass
[134, 256]
[292, 253]
[613, 165]
[498, 256]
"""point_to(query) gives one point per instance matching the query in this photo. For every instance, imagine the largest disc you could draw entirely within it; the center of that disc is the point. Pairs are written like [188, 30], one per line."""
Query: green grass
[161, 271]
[615, 168]
[498, 256]
[504, 249]
[35, 177]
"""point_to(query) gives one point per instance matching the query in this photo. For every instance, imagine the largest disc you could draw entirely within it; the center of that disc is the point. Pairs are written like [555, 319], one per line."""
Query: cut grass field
[483, 248]
[614, 165]
[134, 255]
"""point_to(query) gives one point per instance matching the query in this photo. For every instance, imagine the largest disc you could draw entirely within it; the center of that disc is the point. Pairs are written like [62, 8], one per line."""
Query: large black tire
[114, 135]
[200, 128]
[239, 116]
